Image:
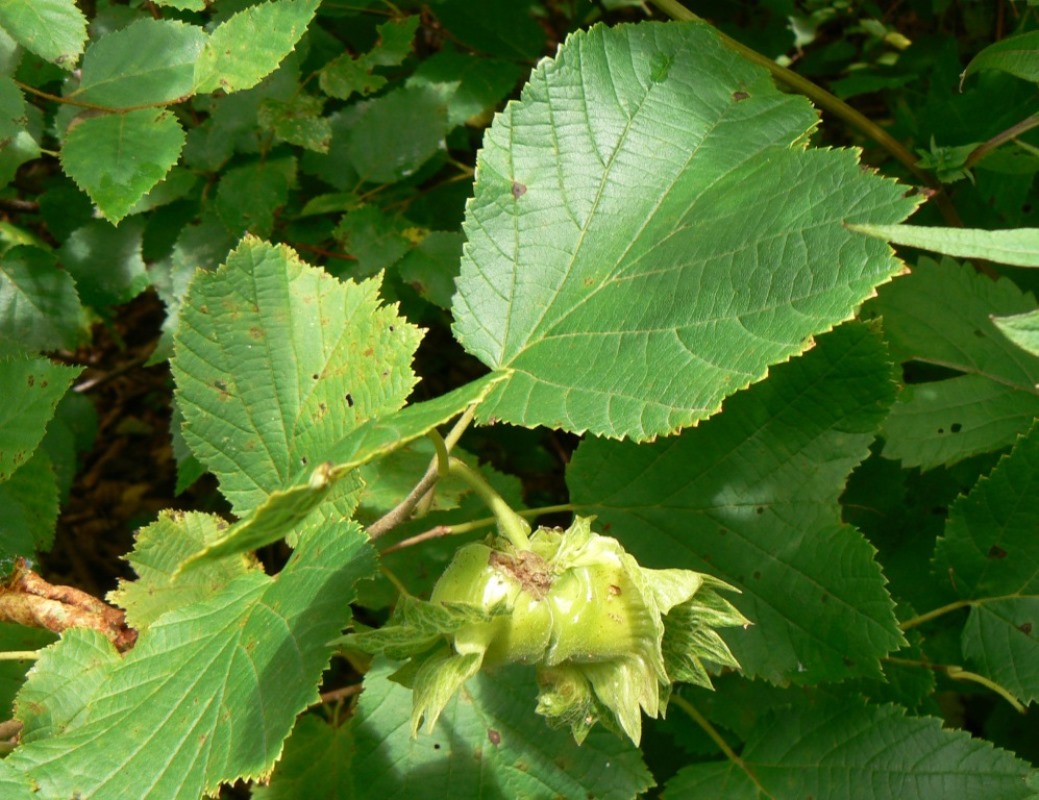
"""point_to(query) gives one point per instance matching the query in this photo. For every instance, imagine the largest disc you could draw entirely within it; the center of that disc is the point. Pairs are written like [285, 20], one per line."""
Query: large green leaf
[649, 233]
[106, 262]
[991, 554]
[751, 497]
[118, 158]
[488, 745]
[276, 361]
[250, 45]
[206, 696]
[843, 749]
[39, 307]
[149, 62]
[55, 30]
[31, 388]
[992, 400]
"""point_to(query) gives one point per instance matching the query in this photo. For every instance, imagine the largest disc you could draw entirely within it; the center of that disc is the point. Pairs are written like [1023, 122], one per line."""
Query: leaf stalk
[20, 655]
[511, 525]
[935, 613]
[717, 738]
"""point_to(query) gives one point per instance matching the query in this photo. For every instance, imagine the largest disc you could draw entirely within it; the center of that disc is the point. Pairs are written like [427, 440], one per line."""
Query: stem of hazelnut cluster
[510, 524]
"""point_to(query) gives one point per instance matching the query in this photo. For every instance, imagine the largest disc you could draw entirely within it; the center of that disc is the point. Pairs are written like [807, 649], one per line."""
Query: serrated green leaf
[346, 74]
[376, 240]
[39, 307]
[991, 555]
[249, 196]
[751, 497]
[334, 167]
[12, 108]
[1001, 641]
[626, 254]
[106, 262]
[848, 750]
[29, 499]
[149, 62]
[1021, 329]
[481, 82]
[489, 744]
[158, 551]
[31, 388]
[1019, 247]
[298, 121]
[395, 134]
[179, 184]
[201, 246]
[70, 433]
[118, 158]
[250, 45]
[50, 702]
[432, 266]
[21, 149]
[394, 45]
[55, 30]
[1017, 55]
[995, 398]
[21, 127]
[210, 690]
[276, 361]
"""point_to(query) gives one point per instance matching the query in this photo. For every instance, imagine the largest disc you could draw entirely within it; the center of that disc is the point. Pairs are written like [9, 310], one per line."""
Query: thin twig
[400, 513]
[468, 527]
[72, 101]
[432, 533]
[92, 383]
[17, 205]
[336, 695]
[10, 728]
